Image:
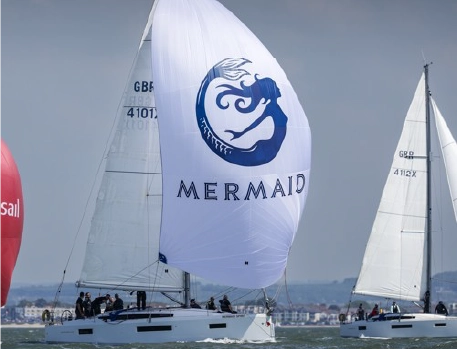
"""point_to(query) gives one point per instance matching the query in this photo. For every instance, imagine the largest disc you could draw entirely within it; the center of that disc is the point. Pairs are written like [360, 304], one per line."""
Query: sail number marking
[407, 154]
[405, 173]
[144, 113]
[143, 86]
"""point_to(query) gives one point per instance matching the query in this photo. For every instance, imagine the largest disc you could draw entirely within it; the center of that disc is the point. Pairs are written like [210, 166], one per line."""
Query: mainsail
[12, 213]
[393, 264]
[123, 243]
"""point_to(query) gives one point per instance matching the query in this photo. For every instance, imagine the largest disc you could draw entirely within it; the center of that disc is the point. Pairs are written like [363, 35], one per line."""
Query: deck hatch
[153, 328]
[402, 326]
[86, 331]
[224, 325]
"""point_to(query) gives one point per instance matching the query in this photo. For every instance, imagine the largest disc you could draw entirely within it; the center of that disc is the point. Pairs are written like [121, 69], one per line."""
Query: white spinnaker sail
[449, 150]
[393, 264]
[123, 244]
[213, 224]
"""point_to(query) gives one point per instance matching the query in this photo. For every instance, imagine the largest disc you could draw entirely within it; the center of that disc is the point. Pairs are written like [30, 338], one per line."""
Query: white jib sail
[393, 264]
[449, 150]
[123, 244]
[235, 180]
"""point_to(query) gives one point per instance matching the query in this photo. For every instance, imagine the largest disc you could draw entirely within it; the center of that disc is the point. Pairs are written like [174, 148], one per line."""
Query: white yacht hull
[161, 326]
[403, 326]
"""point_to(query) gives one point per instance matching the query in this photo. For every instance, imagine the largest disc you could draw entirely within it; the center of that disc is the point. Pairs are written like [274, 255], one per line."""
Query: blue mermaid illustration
[262, 90]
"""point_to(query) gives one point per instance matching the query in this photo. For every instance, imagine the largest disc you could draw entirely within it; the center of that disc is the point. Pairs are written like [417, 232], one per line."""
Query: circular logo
[259, 124]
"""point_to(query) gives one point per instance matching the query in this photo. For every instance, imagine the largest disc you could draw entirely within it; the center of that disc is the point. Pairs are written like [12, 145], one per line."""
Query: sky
[354, 65]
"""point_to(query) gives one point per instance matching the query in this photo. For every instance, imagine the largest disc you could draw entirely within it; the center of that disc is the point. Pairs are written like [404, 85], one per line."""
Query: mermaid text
[233, 191]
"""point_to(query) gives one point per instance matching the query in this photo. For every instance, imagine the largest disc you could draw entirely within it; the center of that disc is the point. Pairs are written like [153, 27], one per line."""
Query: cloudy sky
[354, 65]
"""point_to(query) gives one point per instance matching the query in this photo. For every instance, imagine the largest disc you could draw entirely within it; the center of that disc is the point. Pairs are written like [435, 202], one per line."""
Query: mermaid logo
[246, 99]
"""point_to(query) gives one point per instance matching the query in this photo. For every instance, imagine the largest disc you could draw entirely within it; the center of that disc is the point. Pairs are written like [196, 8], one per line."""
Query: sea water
[286, 338]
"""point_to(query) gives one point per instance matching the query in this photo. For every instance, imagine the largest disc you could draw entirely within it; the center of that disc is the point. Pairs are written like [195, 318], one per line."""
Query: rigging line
[156, 273]
[119, 286]
[444, 281]
[132, 172]
[78, 231]
[138, 106]
[268, 309]
[227, 290]
[287, 290]
[172, 298]
[104, 154]
[246, 294]
[277, 293]
[350, 300]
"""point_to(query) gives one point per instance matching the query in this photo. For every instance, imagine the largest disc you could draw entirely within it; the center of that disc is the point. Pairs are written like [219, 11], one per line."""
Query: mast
[186, 290]
[429, 191]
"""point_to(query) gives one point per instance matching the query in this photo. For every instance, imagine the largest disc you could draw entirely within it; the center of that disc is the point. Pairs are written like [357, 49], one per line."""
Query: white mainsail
[228, 220]
[393, 264]
[123, 243]
[449, 151]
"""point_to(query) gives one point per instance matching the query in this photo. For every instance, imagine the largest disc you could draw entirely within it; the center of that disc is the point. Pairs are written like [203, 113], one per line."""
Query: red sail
[12, 211]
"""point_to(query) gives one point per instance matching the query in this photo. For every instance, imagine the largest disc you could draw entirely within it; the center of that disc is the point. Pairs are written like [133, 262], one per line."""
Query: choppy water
[286, 338]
